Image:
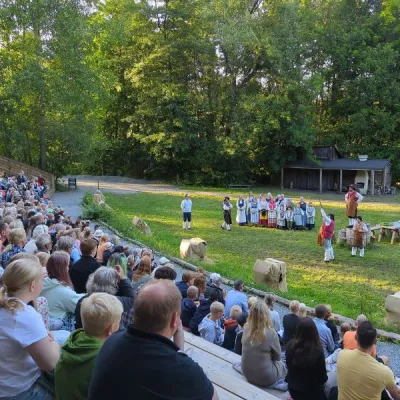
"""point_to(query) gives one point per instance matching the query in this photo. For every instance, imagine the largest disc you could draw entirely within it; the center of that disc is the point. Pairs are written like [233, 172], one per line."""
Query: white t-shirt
[18, 330]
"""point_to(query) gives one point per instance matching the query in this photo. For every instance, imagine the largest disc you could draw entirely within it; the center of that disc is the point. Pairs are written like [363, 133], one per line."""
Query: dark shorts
[187, 216]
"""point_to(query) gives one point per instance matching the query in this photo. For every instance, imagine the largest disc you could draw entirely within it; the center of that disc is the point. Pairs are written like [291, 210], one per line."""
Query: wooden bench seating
[217, 365]
[238, 186]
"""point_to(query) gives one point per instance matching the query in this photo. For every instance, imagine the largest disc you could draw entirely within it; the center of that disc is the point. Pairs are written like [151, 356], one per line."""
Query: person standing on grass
[227, 207]
[326, 234]
[352, 198]
[186, 207]
[310, 216]
[263, 209]
[241, 211]
[250, 199]
[253, 207]
[360, 237]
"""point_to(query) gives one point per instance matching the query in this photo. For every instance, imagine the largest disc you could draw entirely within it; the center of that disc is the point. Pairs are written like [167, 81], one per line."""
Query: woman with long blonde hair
[261, 351]
[26, 346]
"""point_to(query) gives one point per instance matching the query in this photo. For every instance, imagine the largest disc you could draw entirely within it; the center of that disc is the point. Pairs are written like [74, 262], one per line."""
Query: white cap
[163, 260]
[98, 234]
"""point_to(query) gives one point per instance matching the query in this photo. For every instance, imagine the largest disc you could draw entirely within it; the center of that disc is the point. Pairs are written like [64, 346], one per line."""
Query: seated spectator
[189, 307]
[251, 301]
[210, 328]
[306, 363]
[83, 268]
[59, 292]
[17, 239]
[160, 369]
[101, 316]
[231, 328]
[43, 258]
[43, 243]
[131, 265]
[242, 319]
[302, 310]
[330, 324]
[183, 285]
[202, 310]
[27, 348]
[143, 273]
[114, 282]
[67, 244]
[360, 376]
[236, 297]
[30, 246]
[4, 234]
[324, 332]
[200, 282]
[162, 262]
[261, 351]
[290, 322]
[344, 327]
[108, 251]
[275, 318]
[118, 258]
[165, 272]
[215, 284]
[105, 238]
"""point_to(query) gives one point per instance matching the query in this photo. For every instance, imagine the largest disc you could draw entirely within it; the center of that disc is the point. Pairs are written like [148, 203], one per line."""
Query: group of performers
[268, 211]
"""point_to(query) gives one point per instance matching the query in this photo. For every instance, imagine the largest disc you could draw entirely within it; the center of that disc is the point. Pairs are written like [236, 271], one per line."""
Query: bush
[94, 211]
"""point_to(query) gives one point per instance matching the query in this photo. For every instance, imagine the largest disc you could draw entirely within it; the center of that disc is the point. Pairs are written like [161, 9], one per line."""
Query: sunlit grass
[350, 285]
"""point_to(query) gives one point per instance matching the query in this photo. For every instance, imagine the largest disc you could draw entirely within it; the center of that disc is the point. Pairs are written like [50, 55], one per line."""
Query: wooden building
[331, 172]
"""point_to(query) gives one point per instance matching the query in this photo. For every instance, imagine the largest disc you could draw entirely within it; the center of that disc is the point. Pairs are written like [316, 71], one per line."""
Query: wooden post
[384, 180]
[282, 169]
[372, 183]
[340, 180]
[320, 180]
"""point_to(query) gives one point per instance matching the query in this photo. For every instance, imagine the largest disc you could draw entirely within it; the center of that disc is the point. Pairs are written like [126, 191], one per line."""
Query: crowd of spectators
[83, 316]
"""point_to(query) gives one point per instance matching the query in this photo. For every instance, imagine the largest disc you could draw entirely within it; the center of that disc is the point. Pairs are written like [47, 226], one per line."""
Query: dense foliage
[210, 91]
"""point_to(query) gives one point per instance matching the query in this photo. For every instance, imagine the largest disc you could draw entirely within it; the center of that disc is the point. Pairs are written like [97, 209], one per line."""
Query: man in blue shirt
[236, 297]
[324, 332]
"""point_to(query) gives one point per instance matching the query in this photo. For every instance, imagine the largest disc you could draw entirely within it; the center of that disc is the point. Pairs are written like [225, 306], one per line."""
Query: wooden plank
[372, 183]
[224, 394]
[340, 180]
[320, 180]
[222, 373]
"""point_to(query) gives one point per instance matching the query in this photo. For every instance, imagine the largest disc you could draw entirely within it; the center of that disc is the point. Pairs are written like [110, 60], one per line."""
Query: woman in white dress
[241, 211]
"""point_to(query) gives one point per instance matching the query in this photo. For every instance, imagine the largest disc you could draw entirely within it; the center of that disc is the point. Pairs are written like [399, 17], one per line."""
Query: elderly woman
[261, 351]
[112, 281]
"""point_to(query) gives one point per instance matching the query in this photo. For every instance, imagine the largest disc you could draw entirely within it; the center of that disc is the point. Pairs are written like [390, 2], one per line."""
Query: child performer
[303, 206]
[310, 214]
[298, 218]
[272, 214]
[227, 207]
[281, 218]
[360, 237]
[254, 211]
[263, 208]
[289, 216]
[241, 211]
[249, 201]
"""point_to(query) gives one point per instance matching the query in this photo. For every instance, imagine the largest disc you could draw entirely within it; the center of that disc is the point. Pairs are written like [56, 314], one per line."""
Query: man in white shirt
[186, 207]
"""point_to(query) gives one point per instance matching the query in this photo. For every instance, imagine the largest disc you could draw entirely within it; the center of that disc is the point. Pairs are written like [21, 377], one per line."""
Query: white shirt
[326, 219]
[186, 205]
[18, 330]
[30, 247]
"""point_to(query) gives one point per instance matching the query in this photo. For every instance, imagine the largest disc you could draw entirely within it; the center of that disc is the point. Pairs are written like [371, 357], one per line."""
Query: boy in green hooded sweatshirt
[101, 315]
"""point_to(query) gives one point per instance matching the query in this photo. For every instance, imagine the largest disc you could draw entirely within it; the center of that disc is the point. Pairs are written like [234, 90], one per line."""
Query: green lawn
[350, 285]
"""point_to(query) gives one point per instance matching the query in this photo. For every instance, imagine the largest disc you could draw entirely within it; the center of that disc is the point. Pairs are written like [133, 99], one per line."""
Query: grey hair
[42, 241]
[65, 242]
[216, 278]
[17, 223]
[60, 227]
[103, 280]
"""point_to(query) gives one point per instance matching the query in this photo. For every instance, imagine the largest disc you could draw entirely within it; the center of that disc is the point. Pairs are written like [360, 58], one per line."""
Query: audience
[143, 273]
[231, 328]
[183, 285]
[261, 352]
[101, 316]
[27, 348]
[236, 297]
[17, 239]
[350, 338]
[188, 306]
[105, 238]
[211, 327]
[83, 268]
[359, 375]
[324, 332]
[302, 310]
[306, 363]
[242, 319]
[202, 310]
[330, 324]
[165, 272]
[275, 318]
[215, 284]
[43, 243]
[160, 369]
[200, 282]
[290, 322]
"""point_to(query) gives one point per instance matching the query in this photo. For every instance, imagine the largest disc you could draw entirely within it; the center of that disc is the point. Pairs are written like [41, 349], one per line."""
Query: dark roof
[341, 163]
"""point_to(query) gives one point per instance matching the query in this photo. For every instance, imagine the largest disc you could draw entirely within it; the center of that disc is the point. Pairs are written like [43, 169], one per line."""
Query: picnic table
[394, 230]
[217, 365]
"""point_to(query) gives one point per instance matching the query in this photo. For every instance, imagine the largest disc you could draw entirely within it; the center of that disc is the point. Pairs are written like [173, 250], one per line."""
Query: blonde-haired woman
[17, 239]
[261, 351]
[26, 347]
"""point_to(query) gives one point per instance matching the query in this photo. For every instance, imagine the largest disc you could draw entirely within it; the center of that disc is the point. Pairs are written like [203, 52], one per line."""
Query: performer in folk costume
[326, 233]
[186, 207]
[227, 207]
[241, 211]
[352, 199]
[254, 211]
[303, 206]
[263, 211]
[310, 215]
[360, 237]
[289, 216]
[272, 214]
[250, 198]
[281, 218]
[298, 214]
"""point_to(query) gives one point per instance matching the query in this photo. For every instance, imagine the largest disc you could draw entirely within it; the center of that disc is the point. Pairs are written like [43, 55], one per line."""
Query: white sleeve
[29, 327]
[360, 197]
[346, 197]
[326, 219]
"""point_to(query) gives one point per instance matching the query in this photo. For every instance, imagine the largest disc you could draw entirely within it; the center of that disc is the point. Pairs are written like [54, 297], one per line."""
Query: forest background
[210, 91]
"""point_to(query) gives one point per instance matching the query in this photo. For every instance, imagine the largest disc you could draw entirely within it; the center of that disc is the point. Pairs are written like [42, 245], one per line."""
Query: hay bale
[141, 225]
[98, 197]
[272, 273]
[195, 248]
[392, 307]
[342, 237]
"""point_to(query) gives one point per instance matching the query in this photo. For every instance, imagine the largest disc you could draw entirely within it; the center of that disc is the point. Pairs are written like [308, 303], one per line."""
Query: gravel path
[71, 201]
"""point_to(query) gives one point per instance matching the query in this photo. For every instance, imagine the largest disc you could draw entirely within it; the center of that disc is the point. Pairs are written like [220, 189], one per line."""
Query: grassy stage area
[350, 285]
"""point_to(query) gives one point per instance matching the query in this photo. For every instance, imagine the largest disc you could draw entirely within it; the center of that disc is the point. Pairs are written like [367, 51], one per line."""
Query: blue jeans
[40, 390]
